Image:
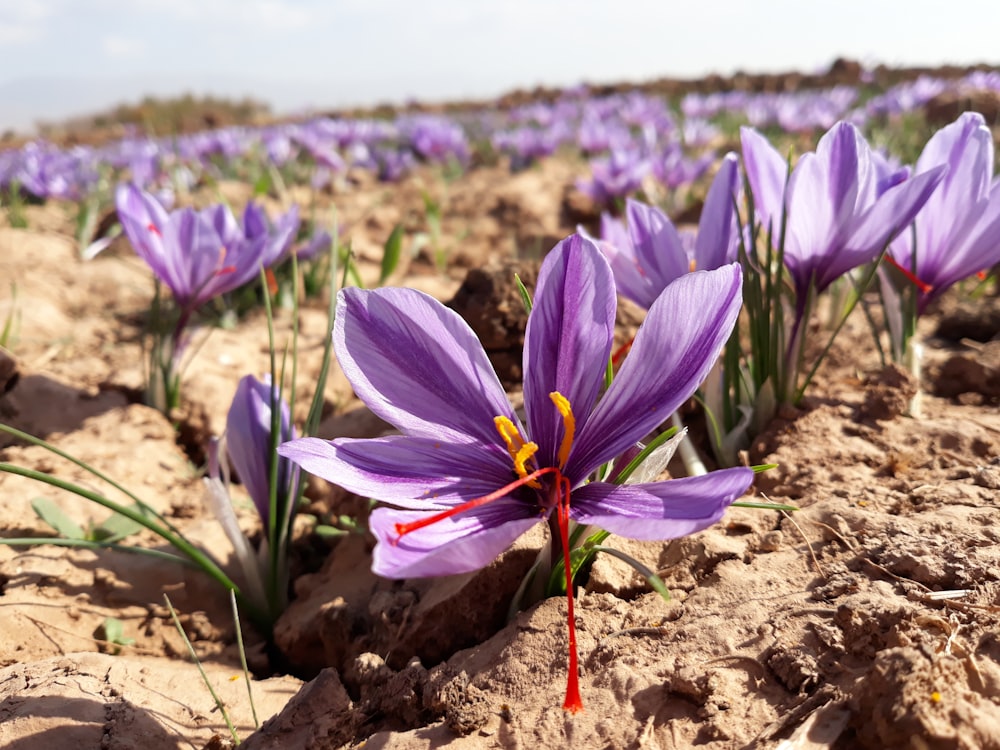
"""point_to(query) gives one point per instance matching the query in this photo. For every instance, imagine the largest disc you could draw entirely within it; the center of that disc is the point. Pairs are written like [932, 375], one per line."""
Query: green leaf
[263, 184]
[765, 506]
[654, 581]
[115, 528]
[53, 515]
[390, 256]
[523, 291]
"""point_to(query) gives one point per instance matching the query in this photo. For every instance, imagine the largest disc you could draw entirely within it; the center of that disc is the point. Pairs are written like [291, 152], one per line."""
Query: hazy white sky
[64, 56]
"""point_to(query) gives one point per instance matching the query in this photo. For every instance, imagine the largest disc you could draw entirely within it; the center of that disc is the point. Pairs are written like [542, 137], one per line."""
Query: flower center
[523, 451]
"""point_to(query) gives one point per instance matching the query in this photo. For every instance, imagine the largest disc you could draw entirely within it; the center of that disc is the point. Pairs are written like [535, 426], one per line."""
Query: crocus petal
[418, 365]
[410, 472]
[254, 220]
[660, 510]
[460, 544]
[979, 251]
[767, 173]
[658, 248]
[673, 351]
[142, 219]
[197, 257]
[631, 280]
[716, 243]
[568, 339]
[892, 213]
[248, 440]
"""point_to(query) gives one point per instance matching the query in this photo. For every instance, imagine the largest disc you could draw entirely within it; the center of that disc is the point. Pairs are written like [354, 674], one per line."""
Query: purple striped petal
[673, 351]
[660, 510]
[767, 173]
[248, 440]
[410, 472]
[631, 280]
[892, 213]
[460, 544]
[568, 340]
[418, 365]
[658, 247]
[717, 240]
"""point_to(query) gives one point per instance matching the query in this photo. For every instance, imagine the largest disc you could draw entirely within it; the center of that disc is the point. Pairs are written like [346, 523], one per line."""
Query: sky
[69, 57]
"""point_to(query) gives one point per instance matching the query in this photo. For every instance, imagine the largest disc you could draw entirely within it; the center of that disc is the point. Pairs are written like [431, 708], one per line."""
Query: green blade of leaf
[53, 515]
[391, 253]
[655, 582]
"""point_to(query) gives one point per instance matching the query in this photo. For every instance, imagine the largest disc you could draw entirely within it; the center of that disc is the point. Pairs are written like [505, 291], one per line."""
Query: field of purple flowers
[603, 419]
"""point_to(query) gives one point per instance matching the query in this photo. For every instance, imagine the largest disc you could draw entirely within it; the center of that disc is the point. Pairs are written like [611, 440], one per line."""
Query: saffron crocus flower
[466, 477]
[248, 440]
[650, 254]
[276, 240]
[615, 176]
[249, 444]
[958, 231]
[198, 254]
[834, 220]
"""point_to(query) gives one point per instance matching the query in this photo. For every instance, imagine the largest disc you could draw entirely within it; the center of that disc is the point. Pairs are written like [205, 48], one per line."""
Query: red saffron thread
[921, 285]
[573, 702]
[402, 529]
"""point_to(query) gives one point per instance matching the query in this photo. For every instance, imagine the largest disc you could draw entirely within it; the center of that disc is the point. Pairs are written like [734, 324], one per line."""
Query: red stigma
[153, 229]
[562, 488]
[402, 529]
[923, 286]
[981, 275]
[619, 355]
[573, 702]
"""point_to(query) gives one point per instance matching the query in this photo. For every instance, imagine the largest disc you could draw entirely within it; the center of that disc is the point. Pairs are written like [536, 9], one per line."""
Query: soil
[866, 619]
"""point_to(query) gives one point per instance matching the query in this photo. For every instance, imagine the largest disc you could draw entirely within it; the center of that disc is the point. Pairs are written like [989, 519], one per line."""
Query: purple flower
[651, 253]
[276, 240]
[248, 440]
[673, 169]
[199, 254]
[615, 176]
[835, 221]
[419, 366]
[957, 232]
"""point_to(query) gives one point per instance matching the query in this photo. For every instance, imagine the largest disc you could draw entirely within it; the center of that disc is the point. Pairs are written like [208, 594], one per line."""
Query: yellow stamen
[520, 450]
[569, 424]
[524, 454]
[692, 265]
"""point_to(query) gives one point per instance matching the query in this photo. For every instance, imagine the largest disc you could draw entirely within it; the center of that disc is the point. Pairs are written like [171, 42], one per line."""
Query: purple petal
[717, 241]
[979, 251]
[460, 544]
[658, 247]
[631, 279]
[410, 472]
[248, 440]
[568, 340]
[767, 173]
[143, 219]
[673, 351]
[660, 510]
[418, 365]
[891, 214]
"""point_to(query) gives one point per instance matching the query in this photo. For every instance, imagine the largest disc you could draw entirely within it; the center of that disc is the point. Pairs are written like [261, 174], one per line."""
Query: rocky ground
[821, 629]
